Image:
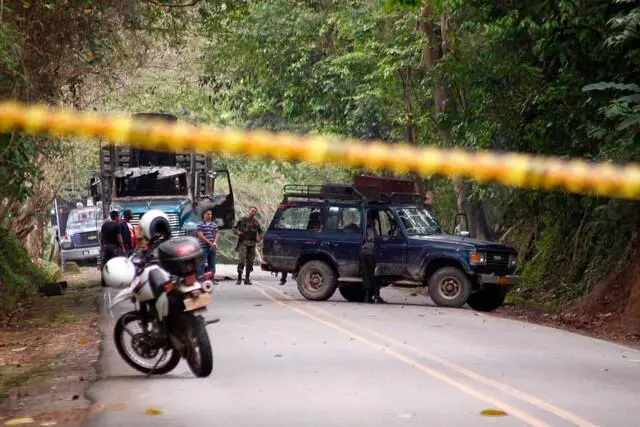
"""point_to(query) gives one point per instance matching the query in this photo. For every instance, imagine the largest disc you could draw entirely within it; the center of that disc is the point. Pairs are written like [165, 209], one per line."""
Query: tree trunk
[436, 48]
[404, 76]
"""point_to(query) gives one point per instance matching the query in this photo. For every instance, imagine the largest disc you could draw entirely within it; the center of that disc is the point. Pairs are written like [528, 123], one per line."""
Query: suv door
[295, 232]
[342, 237]
[391, 244]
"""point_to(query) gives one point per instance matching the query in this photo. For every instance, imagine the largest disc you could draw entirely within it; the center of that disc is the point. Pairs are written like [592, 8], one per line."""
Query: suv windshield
[418, 221]
[84, 218]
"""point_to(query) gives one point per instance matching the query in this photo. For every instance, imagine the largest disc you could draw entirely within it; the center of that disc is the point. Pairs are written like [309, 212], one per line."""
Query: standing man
[111, 243]
[128, 233]
[208, 236]
[429, 198]
[248, 230]
[368, 263]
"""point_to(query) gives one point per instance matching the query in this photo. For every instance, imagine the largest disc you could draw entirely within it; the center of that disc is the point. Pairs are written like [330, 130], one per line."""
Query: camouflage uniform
[246, 246]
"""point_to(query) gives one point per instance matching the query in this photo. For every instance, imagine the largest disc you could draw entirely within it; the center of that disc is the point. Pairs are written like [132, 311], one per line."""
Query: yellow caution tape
[511, 169]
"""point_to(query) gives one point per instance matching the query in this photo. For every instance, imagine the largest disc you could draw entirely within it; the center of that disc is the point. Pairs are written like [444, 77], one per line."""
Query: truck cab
[165, 188]
[181, 184]
[317, 232]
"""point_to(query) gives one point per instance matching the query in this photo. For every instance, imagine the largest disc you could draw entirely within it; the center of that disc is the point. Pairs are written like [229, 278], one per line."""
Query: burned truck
[181, 184]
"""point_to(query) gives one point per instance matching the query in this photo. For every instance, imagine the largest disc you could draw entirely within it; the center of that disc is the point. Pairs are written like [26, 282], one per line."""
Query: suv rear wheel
[353, 293]
[488, 299]
[317, 281]
[449, 287]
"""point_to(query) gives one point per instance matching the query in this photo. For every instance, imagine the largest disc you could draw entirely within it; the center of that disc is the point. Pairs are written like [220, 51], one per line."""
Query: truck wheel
[449, 287]
[352, 293]
[487, 299]
[317, 281]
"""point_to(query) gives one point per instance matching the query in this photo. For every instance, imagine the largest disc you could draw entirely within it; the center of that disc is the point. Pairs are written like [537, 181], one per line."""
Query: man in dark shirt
[111, 242]
[368, 263]
[128, 237]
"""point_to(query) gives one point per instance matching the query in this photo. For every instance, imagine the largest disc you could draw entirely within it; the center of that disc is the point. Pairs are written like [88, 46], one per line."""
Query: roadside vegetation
[554, 78]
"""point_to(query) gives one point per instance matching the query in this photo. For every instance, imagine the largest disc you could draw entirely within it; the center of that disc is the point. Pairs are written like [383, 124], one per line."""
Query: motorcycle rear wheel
[120, 333]
[199, 351]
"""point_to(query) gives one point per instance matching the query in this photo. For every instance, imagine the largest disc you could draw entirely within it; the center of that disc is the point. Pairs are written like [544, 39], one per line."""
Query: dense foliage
[546, 77]
[557, 78]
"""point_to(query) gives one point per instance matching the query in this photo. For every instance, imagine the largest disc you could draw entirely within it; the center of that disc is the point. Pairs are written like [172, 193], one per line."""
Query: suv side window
[307, 218]
[343, 219]
[386, 224]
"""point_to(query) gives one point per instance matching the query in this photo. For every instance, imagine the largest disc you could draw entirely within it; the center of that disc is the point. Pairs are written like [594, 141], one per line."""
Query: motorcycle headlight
[478, 258]
[513, 261]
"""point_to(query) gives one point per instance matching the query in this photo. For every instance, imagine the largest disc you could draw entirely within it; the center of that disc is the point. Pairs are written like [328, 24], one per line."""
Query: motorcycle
[167, 322]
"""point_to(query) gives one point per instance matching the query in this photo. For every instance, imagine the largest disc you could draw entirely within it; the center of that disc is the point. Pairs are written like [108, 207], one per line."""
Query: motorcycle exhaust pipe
[207, 286]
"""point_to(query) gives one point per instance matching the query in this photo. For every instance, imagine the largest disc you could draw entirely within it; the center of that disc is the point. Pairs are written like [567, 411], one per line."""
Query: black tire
[488, 299]
[199, 352]
[317, 281]
[449, 287]
[119, 332]
[353, 293]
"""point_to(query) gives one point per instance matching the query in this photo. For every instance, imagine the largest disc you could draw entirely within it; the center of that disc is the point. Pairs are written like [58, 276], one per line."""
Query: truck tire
[449, 287]
[353, 293]
[487, 299]
[317, 281]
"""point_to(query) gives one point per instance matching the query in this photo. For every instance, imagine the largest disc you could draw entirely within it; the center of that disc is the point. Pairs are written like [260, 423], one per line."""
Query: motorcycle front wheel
[135, 346]
[199, 353]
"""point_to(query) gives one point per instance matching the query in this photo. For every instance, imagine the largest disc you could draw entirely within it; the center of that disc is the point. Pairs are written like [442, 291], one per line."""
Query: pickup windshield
[418, 221]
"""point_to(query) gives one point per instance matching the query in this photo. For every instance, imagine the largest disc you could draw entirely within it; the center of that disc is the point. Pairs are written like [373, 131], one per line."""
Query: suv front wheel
[449, 287]
[317, 281]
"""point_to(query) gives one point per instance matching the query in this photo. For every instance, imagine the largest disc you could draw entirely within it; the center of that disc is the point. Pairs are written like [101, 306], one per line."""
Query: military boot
[247, 279]
[239, 281]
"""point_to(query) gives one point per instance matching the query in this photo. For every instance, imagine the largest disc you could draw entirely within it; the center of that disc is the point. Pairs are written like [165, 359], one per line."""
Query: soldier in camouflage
[248, 230]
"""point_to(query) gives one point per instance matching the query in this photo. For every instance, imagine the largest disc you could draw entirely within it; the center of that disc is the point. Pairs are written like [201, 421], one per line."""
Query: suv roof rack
[386, 189]
[364, 190]
[343, 192]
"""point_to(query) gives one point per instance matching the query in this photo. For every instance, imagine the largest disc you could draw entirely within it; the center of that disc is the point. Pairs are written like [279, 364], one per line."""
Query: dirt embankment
[48, 354]
[610, 311]
[613, 306]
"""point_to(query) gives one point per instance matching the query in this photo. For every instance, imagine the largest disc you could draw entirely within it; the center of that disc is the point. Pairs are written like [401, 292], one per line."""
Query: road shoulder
[48, 355]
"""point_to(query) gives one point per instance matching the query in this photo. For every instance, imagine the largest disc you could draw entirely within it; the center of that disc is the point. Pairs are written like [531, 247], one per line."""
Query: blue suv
[317, 232]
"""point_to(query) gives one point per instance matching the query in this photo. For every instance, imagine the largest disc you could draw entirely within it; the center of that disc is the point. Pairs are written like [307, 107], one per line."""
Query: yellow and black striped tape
[516, 170]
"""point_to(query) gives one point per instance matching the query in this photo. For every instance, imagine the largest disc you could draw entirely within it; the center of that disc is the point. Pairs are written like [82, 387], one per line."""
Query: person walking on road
[208, 236]
[248, 230]
[111, 242]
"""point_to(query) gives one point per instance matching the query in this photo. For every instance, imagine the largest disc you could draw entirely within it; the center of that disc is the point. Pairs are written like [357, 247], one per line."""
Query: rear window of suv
[307, 218]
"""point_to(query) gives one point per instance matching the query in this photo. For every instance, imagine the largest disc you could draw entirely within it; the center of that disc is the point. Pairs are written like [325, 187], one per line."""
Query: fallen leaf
[152, 411]
[19, 421]
[278, 355]
[493, 413]
[48, 423]
[405, 416]
[17, 350]
[82, 341]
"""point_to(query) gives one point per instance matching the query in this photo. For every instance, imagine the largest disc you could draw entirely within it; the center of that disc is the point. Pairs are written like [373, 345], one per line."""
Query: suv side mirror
[461, 225]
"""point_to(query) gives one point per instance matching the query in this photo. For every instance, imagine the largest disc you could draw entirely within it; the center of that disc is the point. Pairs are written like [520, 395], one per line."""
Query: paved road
[283, 361]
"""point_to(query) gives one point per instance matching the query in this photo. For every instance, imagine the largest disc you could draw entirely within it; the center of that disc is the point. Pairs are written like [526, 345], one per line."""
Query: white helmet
[118, 272]
[155, 223]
